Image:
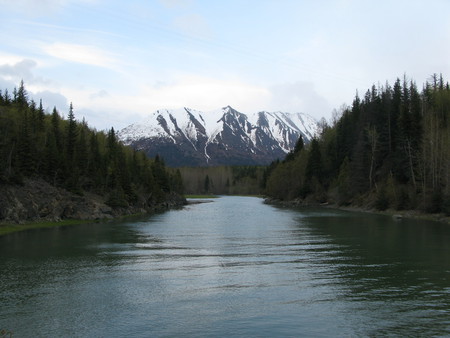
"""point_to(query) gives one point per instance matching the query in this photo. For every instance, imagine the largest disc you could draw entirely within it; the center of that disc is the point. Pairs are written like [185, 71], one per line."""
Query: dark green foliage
[314, 168]
[382, 201]
[344, 188]
[299, 145]
[69, 154]
[390, 149]
[159, 172]
[71, 136]
[293, 153]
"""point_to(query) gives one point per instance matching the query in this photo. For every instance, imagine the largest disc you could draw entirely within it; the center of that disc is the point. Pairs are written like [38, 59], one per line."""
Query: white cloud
[19, 70]
[6, 58]
[206, 94]
[104, 109]
[52, 99]
[100, 94]
[299, 97]
[84, 54]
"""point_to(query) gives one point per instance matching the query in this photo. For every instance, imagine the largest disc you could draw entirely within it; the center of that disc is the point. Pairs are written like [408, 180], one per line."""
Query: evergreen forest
[69, 154]
[389, 149]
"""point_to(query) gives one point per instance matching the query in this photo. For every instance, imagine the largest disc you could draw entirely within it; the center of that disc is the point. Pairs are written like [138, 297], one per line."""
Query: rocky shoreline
[36, 200]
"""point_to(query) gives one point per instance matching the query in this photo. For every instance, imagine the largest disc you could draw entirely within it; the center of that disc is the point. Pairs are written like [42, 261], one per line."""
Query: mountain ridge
[188, 137]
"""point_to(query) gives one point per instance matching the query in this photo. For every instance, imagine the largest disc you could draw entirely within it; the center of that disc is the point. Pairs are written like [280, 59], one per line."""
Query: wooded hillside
[69, 154]
[390, 149]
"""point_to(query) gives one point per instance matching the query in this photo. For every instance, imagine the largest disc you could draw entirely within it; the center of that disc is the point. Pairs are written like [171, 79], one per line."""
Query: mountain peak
[221, 137]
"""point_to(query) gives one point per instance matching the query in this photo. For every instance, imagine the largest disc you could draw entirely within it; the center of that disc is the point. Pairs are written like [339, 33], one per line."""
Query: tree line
[389, 149]
[223, 180]
[68, 153]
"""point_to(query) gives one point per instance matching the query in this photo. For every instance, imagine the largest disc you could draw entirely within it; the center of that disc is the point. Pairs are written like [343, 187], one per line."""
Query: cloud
[12, 74]
[52, 99]
[100, 94]
[206, 94]
[84, 54]
[105, 109]
[299, 97]
[118, 109]
[19, 70]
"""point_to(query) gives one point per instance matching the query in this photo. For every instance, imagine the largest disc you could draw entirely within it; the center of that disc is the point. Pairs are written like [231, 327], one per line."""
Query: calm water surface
[231, 267]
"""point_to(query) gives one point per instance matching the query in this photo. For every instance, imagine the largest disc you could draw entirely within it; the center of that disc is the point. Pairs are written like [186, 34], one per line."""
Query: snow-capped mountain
[187, 137]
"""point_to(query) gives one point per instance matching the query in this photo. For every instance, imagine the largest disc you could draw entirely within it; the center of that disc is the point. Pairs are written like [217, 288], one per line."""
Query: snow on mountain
[223, 136]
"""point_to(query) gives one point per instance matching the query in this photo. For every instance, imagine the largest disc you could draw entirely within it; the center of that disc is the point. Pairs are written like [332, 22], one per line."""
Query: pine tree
[40, 117]
[95, 165]
[72, 170]
[159, 172]
[71, 136]
[21, 95]
[51, 158]
[81, 153]
[314, 168]
[25, 155]
[6, 98]
[299, 145]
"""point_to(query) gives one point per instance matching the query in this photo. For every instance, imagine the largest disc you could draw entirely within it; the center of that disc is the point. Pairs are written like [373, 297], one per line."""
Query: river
[231, 267]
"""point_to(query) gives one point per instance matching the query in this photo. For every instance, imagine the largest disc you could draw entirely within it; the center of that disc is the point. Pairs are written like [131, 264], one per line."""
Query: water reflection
[232, 267]
[388, 271]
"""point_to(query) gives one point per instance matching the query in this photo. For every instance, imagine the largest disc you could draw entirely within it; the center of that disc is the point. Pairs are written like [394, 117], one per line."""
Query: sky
[118, 61]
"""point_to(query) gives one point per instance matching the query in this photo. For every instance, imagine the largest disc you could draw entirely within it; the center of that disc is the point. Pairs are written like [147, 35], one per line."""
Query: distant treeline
[69, 154]
[224, 180]
[390, 149]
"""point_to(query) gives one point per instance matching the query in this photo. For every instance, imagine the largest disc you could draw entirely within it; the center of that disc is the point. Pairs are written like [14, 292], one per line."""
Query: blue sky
[120, 60]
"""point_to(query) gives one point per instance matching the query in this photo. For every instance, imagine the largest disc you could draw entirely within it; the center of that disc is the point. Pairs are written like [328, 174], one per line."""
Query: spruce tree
[314, 168]
[71, 136]
[40, 117]
[25, 158]
[72, 170]
[299, 145]
[6, 98]
[21, 95]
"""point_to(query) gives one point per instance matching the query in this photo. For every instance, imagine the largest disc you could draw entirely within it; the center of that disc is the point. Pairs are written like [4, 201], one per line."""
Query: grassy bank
[10, 228]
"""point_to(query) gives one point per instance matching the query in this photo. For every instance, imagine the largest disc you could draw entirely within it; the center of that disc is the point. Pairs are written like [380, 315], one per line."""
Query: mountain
[187, 137]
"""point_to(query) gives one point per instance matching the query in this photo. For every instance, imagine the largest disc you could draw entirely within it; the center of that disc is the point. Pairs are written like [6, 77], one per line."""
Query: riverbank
[6, 229]
[37, 204]
[397, 214]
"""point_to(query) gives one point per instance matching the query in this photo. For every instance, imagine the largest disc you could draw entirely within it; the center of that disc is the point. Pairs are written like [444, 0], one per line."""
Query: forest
[223, 180]
[69, 154]
[389, 149]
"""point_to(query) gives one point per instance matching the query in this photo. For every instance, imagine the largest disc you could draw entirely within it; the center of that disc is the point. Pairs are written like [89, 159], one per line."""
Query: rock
[38, 200]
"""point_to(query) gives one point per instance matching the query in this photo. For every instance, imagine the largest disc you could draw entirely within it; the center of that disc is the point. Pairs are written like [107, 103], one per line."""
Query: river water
[230, 267]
